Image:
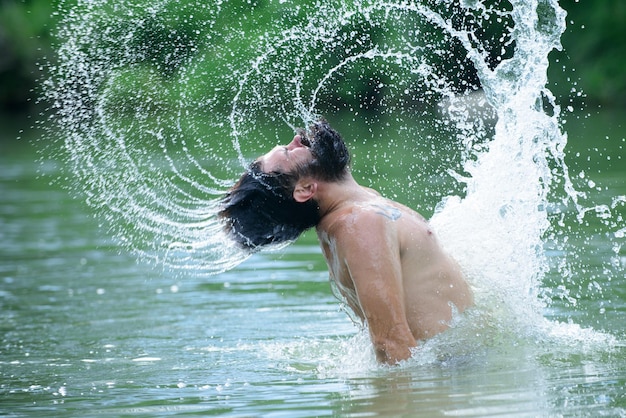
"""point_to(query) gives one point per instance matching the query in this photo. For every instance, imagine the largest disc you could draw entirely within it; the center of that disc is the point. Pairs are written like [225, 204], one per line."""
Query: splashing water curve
[135, 111]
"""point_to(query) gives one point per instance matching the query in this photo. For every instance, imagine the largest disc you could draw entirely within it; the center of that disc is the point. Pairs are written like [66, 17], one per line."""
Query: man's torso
[432, 284]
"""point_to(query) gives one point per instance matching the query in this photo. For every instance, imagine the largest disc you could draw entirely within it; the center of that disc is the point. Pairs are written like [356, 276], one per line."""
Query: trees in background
[590, 67]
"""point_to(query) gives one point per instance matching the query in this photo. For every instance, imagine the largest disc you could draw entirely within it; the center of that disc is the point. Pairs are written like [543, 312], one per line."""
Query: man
[383, 257]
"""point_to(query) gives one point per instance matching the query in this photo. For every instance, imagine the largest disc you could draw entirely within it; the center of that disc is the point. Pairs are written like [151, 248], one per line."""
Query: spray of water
[160, 110]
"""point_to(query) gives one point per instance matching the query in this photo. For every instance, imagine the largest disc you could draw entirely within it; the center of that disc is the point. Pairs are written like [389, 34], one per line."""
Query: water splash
[133, 148]
[160, 106]
[505, 208]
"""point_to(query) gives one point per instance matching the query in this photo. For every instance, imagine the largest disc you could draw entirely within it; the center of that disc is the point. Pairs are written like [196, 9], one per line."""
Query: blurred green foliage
[595, 49]
[25, 44]
[589, 68]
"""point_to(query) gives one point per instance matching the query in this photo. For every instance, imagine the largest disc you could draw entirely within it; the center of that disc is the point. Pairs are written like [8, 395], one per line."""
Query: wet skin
[383, 256]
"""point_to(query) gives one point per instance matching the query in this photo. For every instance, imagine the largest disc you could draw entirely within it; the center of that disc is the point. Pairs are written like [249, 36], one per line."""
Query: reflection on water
[85, 327]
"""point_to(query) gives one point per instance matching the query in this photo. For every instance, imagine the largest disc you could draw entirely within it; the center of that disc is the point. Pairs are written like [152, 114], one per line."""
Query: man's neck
[332, 196]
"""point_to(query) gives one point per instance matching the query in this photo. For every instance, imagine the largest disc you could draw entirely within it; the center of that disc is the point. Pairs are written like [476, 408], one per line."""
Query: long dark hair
[260, 209]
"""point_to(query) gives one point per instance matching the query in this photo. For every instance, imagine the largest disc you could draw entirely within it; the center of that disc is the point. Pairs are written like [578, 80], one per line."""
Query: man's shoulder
[359, 220]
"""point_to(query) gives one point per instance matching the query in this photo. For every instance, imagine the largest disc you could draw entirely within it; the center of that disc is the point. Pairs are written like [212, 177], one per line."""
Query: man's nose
[295, 143]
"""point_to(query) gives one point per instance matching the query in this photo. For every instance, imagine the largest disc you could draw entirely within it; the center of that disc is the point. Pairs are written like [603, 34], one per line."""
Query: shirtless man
[383, 256]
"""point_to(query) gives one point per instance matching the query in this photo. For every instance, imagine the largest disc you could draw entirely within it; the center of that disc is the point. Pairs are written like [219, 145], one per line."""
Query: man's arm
[370, 251]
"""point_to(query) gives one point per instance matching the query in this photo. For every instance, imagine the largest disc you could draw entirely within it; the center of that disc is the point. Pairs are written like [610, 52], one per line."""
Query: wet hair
[260, 209]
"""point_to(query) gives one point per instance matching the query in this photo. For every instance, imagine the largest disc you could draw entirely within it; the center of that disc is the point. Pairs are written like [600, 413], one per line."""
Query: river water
[87, 330]
[121, 296]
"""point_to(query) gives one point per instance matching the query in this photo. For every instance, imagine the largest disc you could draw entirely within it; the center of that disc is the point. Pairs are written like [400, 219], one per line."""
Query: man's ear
[304, 190]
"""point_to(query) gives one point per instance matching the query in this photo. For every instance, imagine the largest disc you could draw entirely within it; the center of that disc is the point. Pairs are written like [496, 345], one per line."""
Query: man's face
[285, 159]
[320, 153]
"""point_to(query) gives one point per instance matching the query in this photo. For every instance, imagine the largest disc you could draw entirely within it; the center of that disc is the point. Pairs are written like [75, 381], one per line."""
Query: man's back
[388, 265]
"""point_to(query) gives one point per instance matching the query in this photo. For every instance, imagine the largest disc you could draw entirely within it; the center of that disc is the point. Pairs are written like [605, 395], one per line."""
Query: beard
[330, 154]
